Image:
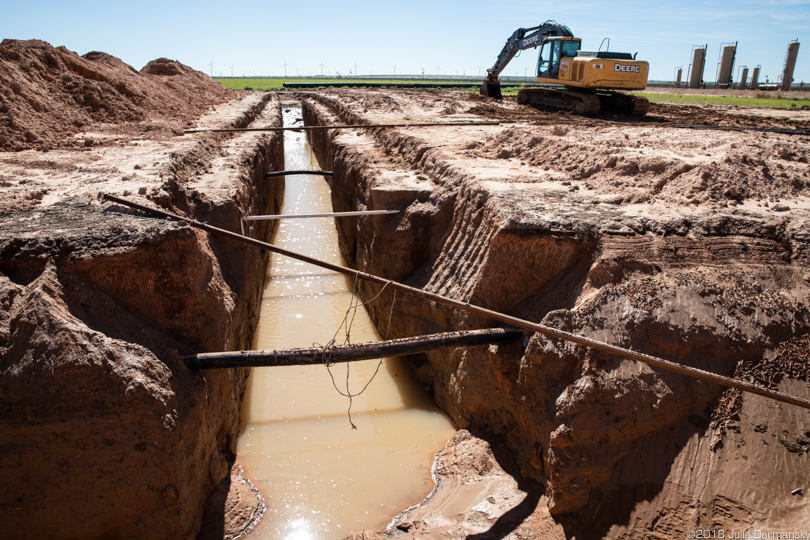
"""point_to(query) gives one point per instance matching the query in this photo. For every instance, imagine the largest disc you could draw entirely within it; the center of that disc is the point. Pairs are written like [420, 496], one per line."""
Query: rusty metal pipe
[354, 352]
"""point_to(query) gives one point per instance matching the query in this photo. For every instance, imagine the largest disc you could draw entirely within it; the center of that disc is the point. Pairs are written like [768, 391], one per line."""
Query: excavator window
[570, 48]
[544, 61]
[548, 66]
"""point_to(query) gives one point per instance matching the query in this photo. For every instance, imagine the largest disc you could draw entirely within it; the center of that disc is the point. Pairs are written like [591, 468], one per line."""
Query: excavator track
[584, 103]
[620, 103]
[580, 103]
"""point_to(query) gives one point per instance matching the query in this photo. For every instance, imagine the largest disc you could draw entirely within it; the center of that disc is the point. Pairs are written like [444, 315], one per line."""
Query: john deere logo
[622, 67]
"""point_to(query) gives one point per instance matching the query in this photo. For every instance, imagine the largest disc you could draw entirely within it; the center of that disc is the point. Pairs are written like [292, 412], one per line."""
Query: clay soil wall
[104, 432]
[561, 220]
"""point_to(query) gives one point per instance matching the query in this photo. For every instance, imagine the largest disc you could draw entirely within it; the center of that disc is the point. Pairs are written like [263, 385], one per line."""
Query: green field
[762, 100]
[276, 83]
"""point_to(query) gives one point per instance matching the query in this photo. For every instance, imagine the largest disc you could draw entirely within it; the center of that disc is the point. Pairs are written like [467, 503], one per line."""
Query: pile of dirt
[48, 95]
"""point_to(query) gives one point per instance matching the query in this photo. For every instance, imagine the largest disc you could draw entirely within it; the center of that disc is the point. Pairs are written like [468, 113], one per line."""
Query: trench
[320, 476]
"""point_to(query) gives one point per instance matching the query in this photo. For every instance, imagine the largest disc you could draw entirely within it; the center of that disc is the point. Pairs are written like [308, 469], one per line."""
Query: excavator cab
[552, 51]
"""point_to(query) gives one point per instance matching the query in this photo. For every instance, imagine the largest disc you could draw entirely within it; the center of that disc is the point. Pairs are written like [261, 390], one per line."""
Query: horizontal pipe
[332, 214]
[288, 173]
[352, 353]
[357, 126]
[502, 317]
[398, 85]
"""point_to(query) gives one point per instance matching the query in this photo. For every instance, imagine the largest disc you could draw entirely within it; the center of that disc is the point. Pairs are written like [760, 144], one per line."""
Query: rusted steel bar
[358, 126]
[502, 317]
[352, 353]
[332, 214]
[287, 173]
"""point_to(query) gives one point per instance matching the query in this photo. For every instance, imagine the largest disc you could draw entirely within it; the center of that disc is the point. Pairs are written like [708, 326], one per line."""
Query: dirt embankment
[687, 244]
[50, 95]
[106, 433]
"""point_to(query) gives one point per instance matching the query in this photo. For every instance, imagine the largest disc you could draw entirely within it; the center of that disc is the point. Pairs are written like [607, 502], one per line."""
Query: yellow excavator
[590, 79]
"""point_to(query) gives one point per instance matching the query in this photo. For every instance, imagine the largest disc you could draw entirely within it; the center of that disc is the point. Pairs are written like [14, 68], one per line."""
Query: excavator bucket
[491, 88]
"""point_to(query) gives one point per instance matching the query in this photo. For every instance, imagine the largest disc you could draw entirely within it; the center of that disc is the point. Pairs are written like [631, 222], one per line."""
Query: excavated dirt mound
[48, 95]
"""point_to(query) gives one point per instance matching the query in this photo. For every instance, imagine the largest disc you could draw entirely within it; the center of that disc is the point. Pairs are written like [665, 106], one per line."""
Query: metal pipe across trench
[502, 317]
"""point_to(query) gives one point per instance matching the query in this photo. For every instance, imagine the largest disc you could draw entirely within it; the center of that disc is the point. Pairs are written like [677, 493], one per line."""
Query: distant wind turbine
[211, 65]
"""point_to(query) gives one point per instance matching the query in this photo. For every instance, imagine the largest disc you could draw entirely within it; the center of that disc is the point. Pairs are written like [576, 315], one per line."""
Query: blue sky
[247, 37]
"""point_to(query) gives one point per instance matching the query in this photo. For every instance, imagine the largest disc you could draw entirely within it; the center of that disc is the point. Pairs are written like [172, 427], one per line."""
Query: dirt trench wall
[105, 433]
[708, 292]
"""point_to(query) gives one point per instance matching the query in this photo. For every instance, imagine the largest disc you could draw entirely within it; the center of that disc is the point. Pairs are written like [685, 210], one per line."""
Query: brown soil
[689, 244]
[106, 433]
[683, 243]
[49, 95]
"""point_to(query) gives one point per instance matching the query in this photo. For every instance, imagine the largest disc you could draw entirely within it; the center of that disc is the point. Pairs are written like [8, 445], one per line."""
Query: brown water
[321, 478]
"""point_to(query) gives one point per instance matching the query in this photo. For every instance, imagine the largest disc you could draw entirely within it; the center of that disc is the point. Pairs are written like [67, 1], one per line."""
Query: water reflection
[321, 478]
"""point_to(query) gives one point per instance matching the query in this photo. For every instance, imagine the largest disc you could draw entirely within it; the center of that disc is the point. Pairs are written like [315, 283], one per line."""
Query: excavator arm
[523, 38]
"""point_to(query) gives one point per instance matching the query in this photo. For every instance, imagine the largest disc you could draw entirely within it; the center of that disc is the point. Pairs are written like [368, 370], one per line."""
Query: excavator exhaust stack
[491, 88]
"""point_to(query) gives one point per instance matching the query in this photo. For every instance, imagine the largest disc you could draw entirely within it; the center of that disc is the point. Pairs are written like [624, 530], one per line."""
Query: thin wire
[348, 322]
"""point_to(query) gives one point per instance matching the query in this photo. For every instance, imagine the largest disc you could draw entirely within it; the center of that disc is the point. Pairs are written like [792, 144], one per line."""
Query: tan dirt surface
[688, 244]
[106, 433]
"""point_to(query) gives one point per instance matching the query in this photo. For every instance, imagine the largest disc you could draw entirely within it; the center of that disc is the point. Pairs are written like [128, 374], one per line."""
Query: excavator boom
[521, 39]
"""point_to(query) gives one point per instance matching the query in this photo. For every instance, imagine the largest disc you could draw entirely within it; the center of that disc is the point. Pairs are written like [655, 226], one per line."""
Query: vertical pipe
[744, 78]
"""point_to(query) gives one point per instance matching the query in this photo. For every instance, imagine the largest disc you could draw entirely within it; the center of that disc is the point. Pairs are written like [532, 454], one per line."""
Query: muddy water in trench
[321, 478]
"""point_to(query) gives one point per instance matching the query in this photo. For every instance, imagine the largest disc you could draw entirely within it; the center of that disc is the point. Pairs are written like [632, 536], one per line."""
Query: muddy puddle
[321, 477]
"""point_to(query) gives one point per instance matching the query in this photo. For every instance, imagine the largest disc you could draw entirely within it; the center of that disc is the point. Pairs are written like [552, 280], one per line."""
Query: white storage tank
[790, 64]
[696, 68]
[726, 65]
